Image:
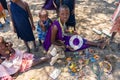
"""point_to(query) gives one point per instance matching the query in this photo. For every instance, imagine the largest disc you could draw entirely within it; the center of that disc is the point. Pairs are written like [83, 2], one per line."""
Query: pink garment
[116, 26]
[20, 61]
[26, 62]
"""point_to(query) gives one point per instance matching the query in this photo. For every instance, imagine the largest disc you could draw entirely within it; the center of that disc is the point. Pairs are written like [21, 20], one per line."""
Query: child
[116, 21]
[12, 61]
[71, 4]
[43, 25]
[22, 21]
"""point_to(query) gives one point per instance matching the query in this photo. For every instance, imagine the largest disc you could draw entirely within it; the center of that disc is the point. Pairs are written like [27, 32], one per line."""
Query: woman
[56, 41]
[22, 21]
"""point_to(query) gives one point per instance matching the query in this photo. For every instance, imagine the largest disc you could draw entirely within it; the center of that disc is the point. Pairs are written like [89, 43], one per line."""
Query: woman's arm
[53, 37]
[30, 15]
[53, 34]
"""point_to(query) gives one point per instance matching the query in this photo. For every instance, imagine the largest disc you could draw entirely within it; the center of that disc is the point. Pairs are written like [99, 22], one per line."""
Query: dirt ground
[89, 14]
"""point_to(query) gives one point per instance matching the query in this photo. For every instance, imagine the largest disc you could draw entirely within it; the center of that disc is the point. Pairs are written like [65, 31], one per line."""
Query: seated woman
[12, 61]
[56, 34]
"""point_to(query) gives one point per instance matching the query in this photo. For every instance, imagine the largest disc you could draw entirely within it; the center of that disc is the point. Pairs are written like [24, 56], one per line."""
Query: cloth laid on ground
[21, 22]
[18, 62]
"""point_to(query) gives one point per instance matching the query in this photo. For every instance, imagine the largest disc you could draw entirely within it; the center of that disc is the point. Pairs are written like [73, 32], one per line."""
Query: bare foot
[104, 44]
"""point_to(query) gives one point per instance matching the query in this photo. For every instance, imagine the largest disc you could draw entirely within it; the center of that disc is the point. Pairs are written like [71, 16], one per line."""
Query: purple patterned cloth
[47, 42]
[49, 5]
[75, 42]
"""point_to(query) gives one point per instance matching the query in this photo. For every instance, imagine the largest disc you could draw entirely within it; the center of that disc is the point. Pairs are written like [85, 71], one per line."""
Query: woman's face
[64, 15]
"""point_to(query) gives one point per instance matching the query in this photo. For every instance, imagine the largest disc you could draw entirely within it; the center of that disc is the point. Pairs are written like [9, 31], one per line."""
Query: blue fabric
[21, 22]
[1, 25]
[42, 34]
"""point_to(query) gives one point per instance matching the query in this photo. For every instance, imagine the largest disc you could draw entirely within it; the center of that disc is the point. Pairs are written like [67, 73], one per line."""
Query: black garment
[4, 4]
